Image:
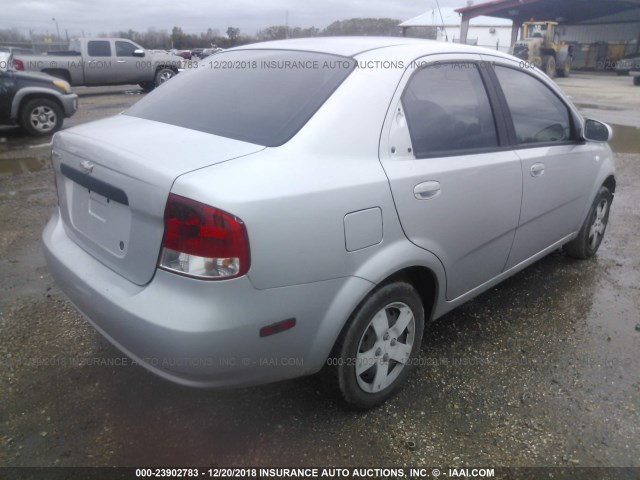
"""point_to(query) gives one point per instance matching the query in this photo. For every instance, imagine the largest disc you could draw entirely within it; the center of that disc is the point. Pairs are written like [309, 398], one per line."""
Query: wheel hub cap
[43, 119]
[599, 223]
[385, 347]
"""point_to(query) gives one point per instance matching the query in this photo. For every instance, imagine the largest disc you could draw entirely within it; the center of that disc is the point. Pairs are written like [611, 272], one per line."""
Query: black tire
[40, 117]
[586, 244]
[549, 66]
[163, 75]
[147, 86]
[636, 81]
[351, 372]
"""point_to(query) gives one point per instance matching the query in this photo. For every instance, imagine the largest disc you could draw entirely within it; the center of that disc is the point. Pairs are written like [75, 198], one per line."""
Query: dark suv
[36, 101]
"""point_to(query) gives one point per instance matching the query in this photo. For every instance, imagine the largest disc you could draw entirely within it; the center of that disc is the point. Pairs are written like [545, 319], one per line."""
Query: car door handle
[121, 61]
[426, 190]
[537, 169]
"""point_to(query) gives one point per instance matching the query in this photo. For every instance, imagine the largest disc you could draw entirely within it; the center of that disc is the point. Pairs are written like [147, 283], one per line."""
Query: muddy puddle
[625, 139]
[23, 165]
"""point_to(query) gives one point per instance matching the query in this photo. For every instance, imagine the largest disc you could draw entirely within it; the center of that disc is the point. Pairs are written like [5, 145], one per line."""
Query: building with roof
[485, 32]
[602, 31]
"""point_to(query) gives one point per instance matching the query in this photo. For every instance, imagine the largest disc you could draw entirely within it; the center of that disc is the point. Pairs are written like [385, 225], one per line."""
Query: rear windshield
[257, 96]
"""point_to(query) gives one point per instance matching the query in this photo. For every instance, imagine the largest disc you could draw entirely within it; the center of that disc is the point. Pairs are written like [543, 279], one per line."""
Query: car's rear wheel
[590, 237]
[375, 353]
[164, 75]
[41, 116]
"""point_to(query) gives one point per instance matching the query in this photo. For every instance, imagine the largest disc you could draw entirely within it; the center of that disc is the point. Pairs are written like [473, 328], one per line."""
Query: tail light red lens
[202, 241]
[17, 64]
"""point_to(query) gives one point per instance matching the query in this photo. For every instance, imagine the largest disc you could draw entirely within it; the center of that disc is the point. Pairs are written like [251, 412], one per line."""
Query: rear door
[98, 63]
[456, 183]
[558, 169]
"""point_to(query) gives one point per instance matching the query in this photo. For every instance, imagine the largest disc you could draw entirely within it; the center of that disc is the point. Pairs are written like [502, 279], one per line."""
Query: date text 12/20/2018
[273, 473]
[266, 473]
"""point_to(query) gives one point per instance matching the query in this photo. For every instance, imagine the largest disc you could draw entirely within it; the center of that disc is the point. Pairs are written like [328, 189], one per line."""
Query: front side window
[447, 110]
[125, 49]
[539, 116]
[99, 48]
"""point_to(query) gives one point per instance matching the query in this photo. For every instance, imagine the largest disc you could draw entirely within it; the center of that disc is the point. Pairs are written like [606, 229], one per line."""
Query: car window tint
[539, 116]
[125, 49]
[447, 109]
[257, 96]
[99, 48]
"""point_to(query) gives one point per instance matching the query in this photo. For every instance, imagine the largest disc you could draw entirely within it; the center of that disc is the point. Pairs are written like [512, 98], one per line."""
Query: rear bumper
[199, 333]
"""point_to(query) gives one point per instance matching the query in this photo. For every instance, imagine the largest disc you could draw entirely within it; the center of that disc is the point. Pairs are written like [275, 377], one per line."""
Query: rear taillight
[202, 241]
[17, 64]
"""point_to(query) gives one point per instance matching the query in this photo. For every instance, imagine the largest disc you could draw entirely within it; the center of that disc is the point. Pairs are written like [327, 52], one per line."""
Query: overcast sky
[195, 16]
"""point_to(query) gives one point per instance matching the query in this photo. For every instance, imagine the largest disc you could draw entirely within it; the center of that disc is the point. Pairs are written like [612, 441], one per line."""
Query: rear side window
[447, 110]
[99, 48]
[257, 96]
[539, 116]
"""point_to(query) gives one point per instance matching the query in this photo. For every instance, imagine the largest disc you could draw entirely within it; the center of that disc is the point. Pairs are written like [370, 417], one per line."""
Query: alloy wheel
[596, 231]
[43, 119]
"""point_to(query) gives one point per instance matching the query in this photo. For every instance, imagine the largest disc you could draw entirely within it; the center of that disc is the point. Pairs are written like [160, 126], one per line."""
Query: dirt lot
[543, 370]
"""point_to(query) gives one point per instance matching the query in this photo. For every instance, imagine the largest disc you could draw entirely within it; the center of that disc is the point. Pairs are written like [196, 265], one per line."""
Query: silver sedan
[307, 205]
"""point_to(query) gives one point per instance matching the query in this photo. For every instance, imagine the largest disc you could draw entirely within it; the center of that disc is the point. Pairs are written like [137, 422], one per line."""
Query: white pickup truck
[105, 61]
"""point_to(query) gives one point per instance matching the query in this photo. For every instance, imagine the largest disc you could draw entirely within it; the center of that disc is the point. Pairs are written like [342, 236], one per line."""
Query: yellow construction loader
[540, 46]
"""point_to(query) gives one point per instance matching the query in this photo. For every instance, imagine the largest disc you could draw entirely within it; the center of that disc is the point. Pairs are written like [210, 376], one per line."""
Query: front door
[7, 92]
[558, 170]
[130, 69]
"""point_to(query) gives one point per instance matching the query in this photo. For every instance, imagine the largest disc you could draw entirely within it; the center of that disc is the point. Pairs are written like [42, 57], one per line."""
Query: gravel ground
[541, 371]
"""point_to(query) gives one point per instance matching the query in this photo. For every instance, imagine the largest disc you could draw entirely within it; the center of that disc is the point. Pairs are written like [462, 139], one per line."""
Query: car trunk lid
[113, 178]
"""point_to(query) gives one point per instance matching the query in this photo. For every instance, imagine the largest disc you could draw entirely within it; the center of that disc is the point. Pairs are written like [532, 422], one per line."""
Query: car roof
[353, 46]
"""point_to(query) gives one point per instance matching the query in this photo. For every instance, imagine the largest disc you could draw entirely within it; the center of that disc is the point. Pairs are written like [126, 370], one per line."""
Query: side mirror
[596, 131]
[138, 53]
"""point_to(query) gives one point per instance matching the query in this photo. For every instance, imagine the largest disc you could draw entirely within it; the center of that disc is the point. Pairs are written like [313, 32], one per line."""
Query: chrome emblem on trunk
[87, 166]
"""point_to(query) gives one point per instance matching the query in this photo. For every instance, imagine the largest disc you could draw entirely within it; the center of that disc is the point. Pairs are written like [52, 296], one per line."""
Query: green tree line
[177, 38]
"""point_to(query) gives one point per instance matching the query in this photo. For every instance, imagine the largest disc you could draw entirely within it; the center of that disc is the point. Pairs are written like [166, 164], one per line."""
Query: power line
[444, 29]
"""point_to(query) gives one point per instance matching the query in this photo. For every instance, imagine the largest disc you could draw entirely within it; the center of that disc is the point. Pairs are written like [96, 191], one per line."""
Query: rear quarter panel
[294, 198]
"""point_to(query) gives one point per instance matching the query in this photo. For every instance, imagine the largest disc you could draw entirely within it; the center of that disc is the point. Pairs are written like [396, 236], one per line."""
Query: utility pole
[286, 23]
[57, 28]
